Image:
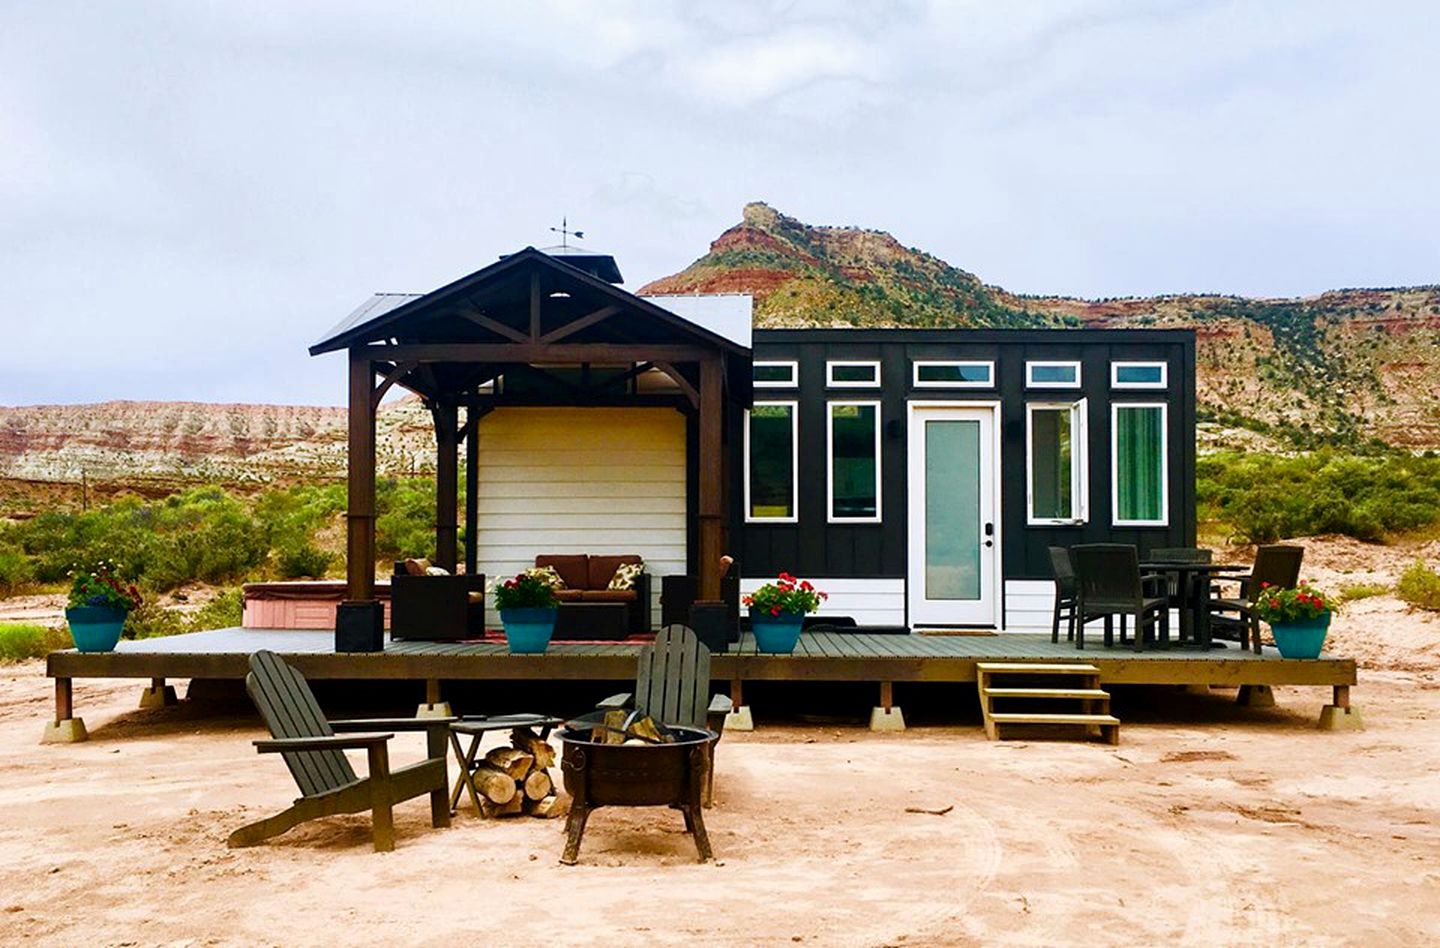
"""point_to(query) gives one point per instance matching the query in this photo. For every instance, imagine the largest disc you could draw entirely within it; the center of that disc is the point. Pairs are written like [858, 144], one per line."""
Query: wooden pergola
[533, 330]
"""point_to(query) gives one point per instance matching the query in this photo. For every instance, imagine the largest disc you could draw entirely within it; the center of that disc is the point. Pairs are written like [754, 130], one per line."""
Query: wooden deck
[223, 653]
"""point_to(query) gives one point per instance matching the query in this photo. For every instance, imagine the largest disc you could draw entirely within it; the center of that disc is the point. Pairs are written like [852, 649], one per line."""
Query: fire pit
[635, 774]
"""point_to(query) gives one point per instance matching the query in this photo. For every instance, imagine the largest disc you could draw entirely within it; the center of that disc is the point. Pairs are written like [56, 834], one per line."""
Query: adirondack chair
[314, 753]
[672, 685]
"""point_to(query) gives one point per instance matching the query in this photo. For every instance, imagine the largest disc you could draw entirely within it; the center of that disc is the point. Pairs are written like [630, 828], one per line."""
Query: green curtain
[1138, 463]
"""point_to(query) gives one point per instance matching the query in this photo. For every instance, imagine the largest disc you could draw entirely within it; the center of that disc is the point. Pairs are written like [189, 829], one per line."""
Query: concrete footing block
[162, 697]
[1202, 691]
[887, 719]
[438, 710]
[68, 731]
[1335, 718]
[740, 719]
[1255, 696]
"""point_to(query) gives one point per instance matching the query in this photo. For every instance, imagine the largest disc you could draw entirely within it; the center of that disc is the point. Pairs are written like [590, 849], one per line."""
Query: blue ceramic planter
[95, 628]
[777, 634]
[1303, 639]
[528, 631]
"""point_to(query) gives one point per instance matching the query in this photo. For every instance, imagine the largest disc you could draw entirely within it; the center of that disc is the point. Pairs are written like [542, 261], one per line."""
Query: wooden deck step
[1086, 719]
[1035, 668]
[1098, 694]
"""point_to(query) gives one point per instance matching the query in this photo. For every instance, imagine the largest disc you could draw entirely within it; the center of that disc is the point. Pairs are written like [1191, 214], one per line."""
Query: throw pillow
[436, 571]
[625, 576]
[546, 575]
[416, 567]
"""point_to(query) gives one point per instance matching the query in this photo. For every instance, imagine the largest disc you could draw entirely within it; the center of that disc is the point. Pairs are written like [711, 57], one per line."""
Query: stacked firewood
[516, 779]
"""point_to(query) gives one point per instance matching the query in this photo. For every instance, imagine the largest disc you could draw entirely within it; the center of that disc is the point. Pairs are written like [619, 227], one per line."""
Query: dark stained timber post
[360, 510]
[472, 488]
[710, 469]
[64, 700]
[447, 484]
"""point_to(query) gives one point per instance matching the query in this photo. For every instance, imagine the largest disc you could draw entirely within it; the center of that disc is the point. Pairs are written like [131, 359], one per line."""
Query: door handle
[989, 534]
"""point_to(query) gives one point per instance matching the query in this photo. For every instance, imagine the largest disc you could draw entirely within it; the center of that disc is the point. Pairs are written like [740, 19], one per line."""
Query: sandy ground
[1210, 824]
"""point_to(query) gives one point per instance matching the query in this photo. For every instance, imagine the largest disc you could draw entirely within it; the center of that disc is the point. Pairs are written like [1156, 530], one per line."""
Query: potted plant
[528, 608]
[777, 612]
[99, 602]
[1299, 618]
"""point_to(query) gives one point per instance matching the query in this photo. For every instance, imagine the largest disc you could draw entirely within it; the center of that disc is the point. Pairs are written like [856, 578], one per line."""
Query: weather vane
[566, 233]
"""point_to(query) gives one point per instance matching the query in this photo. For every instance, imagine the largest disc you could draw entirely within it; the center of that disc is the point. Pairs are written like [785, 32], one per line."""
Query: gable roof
[387, 315]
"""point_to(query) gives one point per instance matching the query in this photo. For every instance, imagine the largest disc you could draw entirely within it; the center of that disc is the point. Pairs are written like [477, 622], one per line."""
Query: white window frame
[1164, 520]
[830, 367]
[1079, 464]
[1051, 364]
[1146, 364]
[917, 364]
[793, 365]
[794, 465]
[830, 462]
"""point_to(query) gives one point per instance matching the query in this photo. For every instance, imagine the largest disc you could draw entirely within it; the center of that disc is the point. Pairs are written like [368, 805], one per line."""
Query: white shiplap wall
[867, 601]
[581, 480]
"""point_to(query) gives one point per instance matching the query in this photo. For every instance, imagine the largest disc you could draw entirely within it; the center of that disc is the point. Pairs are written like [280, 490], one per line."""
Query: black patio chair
[1108, 584]
[1064, 573]
[1276, 565]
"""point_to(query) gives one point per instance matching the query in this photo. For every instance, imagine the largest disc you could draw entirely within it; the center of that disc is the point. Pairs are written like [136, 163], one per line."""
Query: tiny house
[919, 476]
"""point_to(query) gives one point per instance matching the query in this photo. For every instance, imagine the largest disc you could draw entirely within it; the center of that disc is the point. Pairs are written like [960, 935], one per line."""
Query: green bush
[15, 570]
[302, 560]
[405, 517]
[1265, 497]
[1353, 592]
[223, 612]
[1419, 586]
[153, 621]
[22, 640]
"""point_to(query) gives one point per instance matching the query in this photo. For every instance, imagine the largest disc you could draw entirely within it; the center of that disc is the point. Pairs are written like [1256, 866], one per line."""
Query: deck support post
[66, 728]
[711, 500]
[1255, 696]
[433, 706]
[739, 718]
[158, 695]
[472, 488]
[1341, 715]
[447, 483]
[360, 481]
[887, 717]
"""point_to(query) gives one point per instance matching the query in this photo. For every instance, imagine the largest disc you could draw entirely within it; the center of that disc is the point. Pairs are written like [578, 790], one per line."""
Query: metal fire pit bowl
[670, 775]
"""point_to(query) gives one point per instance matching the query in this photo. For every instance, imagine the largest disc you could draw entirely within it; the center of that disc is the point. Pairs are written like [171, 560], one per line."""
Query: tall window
[1138, 459]
[1056, 469]
[770, 450]
[854, 474]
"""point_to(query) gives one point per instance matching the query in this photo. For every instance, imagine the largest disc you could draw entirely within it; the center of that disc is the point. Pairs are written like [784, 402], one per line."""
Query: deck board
[830, 656]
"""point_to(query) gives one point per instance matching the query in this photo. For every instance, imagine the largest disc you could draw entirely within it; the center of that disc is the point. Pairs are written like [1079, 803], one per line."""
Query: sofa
[585, 579]
[431, 604]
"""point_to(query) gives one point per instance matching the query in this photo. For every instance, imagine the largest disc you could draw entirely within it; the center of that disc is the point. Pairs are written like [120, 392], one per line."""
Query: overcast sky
[192, 192]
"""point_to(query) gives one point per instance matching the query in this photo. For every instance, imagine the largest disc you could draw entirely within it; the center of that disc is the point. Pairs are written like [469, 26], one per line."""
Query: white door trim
[915, 474]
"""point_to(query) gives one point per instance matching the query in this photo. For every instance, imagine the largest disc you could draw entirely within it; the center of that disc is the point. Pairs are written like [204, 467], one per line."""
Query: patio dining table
[1194, 584]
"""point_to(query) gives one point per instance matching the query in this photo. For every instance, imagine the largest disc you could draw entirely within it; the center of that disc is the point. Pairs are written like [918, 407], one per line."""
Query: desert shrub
[222, 612]
[1353, 592]
[22, 640]
[405, 517]
[15, 570]
[153, 621]
[290, 515]
[302, 560]
[1266, 497]
[1419, 586]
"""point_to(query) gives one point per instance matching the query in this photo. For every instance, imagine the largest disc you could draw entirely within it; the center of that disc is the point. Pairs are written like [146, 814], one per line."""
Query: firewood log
[613, 731]
[647, 730]
[528, 741]
[494, 784]
[538, 785]
[515, 805]
[549, 807]
[514, 762]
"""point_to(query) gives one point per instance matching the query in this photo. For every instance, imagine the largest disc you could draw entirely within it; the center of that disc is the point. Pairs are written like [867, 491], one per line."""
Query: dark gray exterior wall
[814, 547]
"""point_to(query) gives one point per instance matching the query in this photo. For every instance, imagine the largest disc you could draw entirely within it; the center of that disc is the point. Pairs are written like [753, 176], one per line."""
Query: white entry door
[954, 523]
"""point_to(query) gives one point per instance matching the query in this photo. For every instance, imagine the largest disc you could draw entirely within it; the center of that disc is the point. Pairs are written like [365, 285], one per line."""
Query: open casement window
[1057, 465]
[771, 455]
[1138, 464]
[853, 474]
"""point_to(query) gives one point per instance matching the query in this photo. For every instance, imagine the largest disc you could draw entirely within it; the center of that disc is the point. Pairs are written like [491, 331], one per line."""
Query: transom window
[776, 374]
[852, 374]
[930, 374]
[1137, 375]
[853, 475]
[1138, 464]
[1056, 475]
[1052, 374]
[771, 456]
